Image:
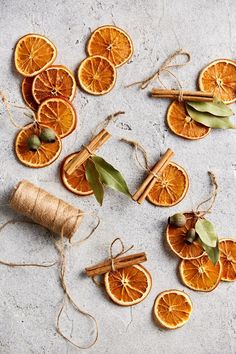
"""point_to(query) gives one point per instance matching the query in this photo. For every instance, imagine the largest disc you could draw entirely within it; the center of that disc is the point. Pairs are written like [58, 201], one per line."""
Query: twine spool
[45, 209]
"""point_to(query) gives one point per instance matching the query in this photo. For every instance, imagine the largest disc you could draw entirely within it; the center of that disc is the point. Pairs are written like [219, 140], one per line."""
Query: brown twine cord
[123, 251]
[166, 67]
[112, 118]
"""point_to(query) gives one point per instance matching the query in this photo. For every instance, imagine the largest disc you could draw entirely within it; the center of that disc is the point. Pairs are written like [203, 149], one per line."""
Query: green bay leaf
[210, 120]
[212, 252]
[110, 176]
[217, 108]
[206, 232]
[93, 177]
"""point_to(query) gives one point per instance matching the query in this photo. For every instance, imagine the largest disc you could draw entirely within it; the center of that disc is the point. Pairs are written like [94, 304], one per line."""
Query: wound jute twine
[59, 218]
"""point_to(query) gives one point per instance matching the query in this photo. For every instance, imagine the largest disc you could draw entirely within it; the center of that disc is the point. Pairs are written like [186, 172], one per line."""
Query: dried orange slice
[176, 238]
[200, 273]
[181, 124]
[128, 286]
[58, 114]
[33, 54]
[97, 75]
[44, 156]
[172, 309]
[112, 43]
[76, 182]
[26, 89]
[219, 78]
[228, 259]
[171, 186]
[56, 81]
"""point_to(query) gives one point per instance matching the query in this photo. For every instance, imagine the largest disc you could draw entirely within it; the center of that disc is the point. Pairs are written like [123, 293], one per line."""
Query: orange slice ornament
[111, 43]
[176, 239]
[200, 274]
[26, 89]
[219, 78]
[228, 259]
[58, 114]
[96, 75]
[172, 309]
[44, 155]
[182, 125]
[128, 286]
[33, 54]
[170, 187]
[56, 81]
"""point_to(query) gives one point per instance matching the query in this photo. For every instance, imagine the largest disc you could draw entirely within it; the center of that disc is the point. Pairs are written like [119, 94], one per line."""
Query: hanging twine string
[112, 118]
[167, 66]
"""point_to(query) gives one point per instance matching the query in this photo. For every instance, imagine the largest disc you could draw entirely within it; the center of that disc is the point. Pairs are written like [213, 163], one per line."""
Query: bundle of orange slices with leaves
[48, 90]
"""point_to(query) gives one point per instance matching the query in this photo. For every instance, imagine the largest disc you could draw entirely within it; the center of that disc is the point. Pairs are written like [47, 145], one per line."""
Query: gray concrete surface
[30, 298]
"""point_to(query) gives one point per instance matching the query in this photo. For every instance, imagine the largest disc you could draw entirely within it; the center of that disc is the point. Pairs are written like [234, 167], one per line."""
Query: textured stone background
[30, 298]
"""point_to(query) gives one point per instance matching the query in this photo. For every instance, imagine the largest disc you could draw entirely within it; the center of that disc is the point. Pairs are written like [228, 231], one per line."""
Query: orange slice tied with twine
[172, 309]
[96, 75]
[171, 186]
[181, 124]
[228, 259]
[58, 114]
[26, 89]
[33, 54]
[128, 286]
[56, 81]
[219, 78]
[112, 43]
[176, 239]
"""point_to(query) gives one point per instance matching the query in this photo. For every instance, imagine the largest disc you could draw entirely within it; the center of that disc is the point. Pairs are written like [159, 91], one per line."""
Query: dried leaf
[217, 108]
[212, 252]
[206, 232]
[210, 120]
[93, 177]
[110, 176]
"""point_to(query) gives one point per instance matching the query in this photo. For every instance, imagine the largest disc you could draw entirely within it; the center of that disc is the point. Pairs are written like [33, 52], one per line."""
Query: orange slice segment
[44, 156]
[181, 124]
[112, 43]
[219, 78]
[56, 81]
[228, 259]
[26, 89]
[171, 186]
[128, 286]
[33, 54]
[172, 309]
[76, 182]
[176, 239]
[58, 114]
[200, 273]
[96, 75]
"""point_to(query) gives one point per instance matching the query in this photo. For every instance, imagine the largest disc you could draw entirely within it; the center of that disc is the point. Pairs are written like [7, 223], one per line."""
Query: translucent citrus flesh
[228, 259]
[200, 273]
[112, 43]
[44, 156]
[33, 54]
[219, 78]
[181, 124]
[58, 114]
[128, 286]
[97, 75]
[76, 182]
[172, 309]
[171, 186]
[26, 89]
[56, 81]
[176, 238]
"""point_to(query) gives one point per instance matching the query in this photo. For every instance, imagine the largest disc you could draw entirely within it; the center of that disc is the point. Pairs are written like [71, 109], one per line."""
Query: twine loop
[107, 121]
[118, 254]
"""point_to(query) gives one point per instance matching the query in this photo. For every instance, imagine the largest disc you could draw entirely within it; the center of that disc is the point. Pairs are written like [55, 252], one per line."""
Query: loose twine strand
[112, 118]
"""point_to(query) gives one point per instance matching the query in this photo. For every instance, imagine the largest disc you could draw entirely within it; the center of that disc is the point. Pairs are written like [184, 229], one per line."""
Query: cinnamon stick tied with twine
[149, 182]
[117, 261]
[183, 95]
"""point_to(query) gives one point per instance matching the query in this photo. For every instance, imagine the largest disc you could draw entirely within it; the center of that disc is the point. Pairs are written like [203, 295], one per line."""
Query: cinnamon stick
[185, 92]
[85, 153]
[196, 96]
[149, 182]
[119, 262]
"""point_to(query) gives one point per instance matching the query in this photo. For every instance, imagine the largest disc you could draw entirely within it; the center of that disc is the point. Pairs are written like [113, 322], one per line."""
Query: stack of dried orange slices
[108, 48]
[48, 90]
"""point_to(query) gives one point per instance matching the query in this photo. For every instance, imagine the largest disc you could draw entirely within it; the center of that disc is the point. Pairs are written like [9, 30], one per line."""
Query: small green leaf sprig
[100, 173]
[214, 114]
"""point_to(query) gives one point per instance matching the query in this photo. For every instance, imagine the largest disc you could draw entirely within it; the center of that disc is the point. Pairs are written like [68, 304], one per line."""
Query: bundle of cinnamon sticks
[196, 96]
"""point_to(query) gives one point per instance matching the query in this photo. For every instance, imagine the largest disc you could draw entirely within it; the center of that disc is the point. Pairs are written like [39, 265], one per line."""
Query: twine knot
[121, 252]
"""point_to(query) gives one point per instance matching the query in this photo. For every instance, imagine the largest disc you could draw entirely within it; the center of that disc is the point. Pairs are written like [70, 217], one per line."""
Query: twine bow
[121, 252]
